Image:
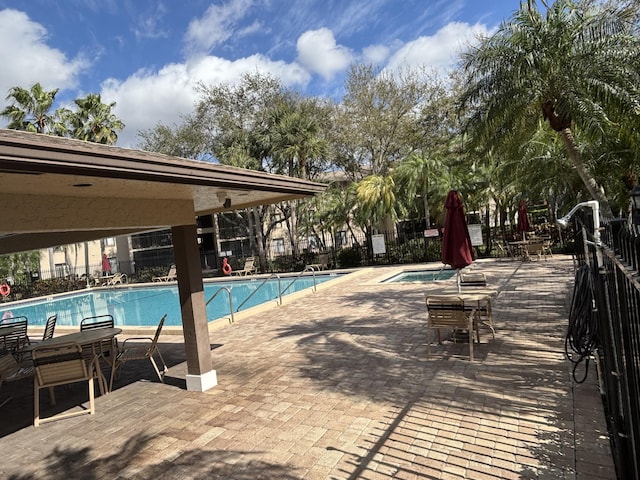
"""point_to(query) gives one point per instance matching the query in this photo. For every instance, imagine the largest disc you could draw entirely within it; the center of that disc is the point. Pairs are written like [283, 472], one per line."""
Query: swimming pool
[411, 276]
[145, 305]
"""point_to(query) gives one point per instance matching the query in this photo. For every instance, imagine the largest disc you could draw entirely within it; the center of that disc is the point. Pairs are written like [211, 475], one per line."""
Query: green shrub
[350, 257]
[145, 275]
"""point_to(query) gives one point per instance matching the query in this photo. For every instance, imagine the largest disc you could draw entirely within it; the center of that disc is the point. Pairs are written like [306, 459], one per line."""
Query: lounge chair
[323, 262]
[248, 269]
[61, 365]
[169, 277]
[141, 352]
[115, 279]
[448, 311]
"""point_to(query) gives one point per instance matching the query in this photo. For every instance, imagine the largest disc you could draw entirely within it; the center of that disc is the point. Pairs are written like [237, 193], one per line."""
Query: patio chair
[449, 312]
[169, 277]
[49, 327]
[141, 352]
[473, 280]
[108, 348]
[61, 365]
[248, 269]
[18, 338]
[535, 248]
[99, 321]
[11, 371]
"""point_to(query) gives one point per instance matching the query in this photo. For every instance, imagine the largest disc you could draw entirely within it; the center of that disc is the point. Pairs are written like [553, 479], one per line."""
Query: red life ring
[5, 289]
[226, 268]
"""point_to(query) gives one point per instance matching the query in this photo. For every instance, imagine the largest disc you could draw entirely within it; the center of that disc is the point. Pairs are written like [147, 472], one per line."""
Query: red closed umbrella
[457, 250]
[523, 218]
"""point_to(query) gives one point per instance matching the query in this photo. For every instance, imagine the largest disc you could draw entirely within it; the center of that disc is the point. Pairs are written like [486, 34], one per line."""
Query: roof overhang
[57, 190]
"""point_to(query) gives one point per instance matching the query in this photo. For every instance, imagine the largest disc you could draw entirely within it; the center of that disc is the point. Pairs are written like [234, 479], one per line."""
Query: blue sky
[147, 56]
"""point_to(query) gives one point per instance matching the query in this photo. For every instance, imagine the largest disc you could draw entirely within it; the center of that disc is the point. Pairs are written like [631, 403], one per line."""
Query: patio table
[482, 297]
[90, 339]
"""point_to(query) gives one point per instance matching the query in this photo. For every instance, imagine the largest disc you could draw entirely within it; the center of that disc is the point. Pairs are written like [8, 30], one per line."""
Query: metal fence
[361, 249]
[605, 325]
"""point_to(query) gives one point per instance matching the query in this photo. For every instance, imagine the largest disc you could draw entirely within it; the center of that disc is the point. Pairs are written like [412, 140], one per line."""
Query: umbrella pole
[458, 280]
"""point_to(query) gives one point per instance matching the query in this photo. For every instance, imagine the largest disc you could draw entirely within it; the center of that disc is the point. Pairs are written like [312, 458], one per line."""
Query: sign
[475, 233]
[431, 232]
[377, 242]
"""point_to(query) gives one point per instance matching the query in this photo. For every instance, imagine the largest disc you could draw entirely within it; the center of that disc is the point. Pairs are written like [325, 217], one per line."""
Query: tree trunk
[592, 186]
[293, 227]
[52, 263]
[259, 240]
[427, 214]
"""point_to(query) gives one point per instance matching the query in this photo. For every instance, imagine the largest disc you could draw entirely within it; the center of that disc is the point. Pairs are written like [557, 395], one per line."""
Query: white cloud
[26, 59]
[147, 98]
[149, 25]
[318, 52]
[375, 54]
[216, 25]
[439, 52]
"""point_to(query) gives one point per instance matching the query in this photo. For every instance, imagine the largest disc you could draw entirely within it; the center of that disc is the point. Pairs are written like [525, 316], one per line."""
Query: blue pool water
[410, 276]
[144, 306]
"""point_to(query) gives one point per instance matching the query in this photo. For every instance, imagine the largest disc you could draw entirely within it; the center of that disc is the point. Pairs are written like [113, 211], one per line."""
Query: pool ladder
[280, 290]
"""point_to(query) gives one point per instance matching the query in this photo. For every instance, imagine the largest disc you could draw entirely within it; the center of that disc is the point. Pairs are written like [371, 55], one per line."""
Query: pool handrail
[228, 290]
[280, 291]
[308, 268]
[273, 275]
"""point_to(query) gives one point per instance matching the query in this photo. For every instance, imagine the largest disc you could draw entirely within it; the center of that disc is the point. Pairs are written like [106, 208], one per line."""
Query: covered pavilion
[57, 191]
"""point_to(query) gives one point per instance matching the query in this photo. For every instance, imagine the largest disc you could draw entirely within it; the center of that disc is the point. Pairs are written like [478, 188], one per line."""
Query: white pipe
[595, 205]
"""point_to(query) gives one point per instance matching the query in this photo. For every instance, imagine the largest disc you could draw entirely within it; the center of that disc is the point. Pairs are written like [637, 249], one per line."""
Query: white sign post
[377, 242]
[475, 234]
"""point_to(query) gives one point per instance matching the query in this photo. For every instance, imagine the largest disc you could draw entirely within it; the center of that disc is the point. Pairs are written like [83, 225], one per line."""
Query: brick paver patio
[336, 385]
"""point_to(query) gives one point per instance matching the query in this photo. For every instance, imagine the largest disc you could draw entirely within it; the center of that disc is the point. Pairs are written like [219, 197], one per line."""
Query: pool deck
[337, 385]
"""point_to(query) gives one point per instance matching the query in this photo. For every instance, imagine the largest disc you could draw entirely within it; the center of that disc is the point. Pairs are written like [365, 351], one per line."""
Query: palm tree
[376, 201]
[30, 111]
[94, 122]
[420, 175]
[576, 67]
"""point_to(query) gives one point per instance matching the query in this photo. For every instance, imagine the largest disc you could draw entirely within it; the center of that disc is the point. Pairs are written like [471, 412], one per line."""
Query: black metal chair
[108, 348]
[18, 337]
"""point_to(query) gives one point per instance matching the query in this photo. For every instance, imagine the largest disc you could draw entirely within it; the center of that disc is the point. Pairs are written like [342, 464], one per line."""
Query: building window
[62, 270]
[341, 238]
[109, 242]
[278, 245]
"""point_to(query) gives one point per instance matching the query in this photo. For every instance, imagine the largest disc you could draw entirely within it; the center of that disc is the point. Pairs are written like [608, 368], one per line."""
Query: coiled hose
[581, 339]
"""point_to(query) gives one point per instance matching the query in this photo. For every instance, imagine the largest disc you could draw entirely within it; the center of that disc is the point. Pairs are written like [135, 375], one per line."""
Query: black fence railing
[613, 269]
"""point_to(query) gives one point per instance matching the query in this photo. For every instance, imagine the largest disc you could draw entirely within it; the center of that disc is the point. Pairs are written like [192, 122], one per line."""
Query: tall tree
[231, 120]
[375, 125]
[576, 67]
[30, 111]
[292, 139]
[93, 120]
